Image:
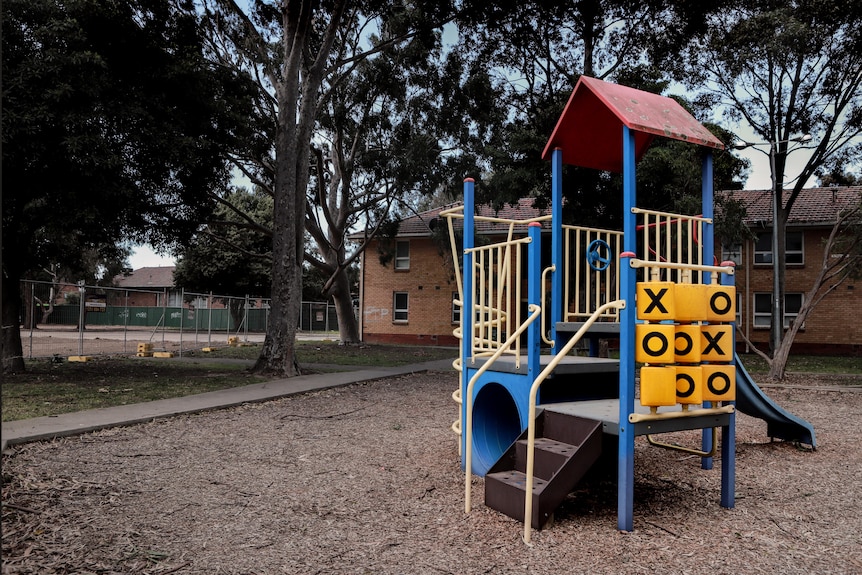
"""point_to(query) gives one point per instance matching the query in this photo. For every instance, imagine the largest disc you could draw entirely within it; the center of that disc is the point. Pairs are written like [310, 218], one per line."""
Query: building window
[402, 255]
[763, 309]
[456, 309]
[732, 253]
[399, 306]
[793, 253]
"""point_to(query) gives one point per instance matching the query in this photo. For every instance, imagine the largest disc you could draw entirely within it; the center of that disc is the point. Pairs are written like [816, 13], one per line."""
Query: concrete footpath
[37, 428]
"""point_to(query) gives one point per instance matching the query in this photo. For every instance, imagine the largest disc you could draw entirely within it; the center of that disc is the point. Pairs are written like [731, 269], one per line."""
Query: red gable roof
[812, 206]
[590, 129]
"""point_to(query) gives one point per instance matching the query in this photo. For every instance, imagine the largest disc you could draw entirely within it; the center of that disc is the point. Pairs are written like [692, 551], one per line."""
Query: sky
[145, 257]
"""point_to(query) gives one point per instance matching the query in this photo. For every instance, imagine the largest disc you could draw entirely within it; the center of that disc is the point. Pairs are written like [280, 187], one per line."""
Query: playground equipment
[533, 422]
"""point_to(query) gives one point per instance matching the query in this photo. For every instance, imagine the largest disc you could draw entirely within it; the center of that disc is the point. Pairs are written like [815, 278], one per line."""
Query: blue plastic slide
[751, 400]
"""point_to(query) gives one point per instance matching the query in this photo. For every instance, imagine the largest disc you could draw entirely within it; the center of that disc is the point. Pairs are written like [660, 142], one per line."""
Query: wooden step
[565, 449]
[550, 456]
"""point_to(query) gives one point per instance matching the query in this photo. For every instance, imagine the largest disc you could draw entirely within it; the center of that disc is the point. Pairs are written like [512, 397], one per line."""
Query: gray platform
[608, 412]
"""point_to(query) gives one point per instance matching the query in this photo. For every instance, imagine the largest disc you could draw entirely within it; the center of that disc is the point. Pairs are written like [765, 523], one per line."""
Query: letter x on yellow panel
[655, 301]
[716, 343]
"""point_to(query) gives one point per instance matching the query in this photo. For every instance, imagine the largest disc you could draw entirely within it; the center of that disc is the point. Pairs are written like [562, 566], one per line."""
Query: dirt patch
[366, 479]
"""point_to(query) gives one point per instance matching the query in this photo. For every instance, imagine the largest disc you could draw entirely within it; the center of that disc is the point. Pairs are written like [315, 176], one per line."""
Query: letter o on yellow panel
[654, 343]
[719, 382]
[687, 344]
[721, 303]
[689, 384]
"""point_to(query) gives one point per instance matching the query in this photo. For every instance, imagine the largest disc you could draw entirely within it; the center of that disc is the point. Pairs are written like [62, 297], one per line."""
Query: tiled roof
[812, 206]
[419, 224]
[153, 277]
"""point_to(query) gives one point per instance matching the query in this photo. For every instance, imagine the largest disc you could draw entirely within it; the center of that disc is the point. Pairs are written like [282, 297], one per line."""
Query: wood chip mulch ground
[366, 479]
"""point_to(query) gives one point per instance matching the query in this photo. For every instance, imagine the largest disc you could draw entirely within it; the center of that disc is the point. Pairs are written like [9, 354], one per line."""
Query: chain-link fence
[60, 319]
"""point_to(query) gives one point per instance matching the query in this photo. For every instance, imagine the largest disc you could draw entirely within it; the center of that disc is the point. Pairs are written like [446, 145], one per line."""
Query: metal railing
[584, 288]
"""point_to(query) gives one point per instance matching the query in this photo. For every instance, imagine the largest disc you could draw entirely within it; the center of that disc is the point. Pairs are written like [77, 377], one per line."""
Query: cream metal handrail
[531, 418]
[535, 313]
[639, 263]
[549, 269]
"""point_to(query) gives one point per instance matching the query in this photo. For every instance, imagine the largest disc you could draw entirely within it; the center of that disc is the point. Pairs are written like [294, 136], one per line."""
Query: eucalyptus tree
[348, 107]
[786, 70]
[537, 50]
[113, 127]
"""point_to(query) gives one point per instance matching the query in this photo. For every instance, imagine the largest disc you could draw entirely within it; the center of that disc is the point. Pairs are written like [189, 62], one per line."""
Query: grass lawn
[48, 388]
[807, 364]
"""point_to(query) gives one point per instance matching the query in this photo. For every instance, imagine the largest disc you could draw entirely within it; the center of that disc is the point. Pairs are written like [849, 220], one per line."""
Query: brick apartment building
[409, 299]
[835, 325]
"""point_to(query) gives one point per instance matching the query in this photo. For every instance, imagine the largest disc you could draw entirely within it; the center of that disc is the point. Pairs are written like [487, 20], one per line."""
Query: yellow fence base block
[719, 382]
[690, 302]
[721, 303]
[716, 343]
[689, 384]
[80, 358]
[655, 300]
[233, 341]
[686, 345]
[658, 386]
[209, 349]
[163, 354]
[654, 342]
[144, 354]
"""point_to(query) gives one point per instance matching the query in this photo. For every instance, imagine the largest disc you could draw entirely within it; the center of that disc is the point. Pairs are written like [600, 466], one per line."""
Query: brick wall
[834, 326]
[429, 284]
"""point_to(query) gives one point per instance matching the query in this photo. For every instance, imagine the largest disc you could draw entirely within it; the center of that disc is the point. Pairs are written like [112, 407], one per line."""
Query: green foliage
[230, 255]
[111, 128]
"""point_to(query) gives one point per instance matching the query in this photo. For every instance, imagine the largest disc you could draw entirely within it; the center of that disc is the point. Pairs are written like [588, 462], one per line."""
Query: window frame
[456, 310]
[402, 262]
[789, 316]
[404, 311]
[763, 257]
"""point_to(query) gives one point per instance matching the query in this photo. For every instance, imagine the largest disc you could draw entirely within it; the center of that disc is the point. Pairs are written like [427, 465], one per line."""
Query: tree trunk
[348, 326]
[12, 351]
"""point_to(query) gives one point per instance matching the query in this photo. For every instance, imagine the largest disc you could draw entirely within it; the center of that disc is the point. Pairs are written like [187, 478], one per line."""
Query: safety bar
[531, 420]
[535, 313]
[639, 263]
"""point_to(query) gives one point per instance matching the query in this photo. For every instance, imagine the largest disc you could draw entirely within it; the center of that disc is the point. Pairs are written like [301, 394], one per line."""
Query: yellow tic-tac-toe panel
[721, 303]
[719, 382]
[690, 302]
[716, 343]
[658, 386]
[655, 300]
[654, 343]
[687, 344]
[689, 384]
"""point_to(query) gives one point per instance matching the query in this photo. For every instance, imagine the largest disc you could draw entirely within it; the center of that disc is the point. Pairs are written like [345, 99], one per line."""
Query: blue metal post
[467, 304]
[625, 480]
[728, 433]
[707, 256]
[534, 279]
[556, 244]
